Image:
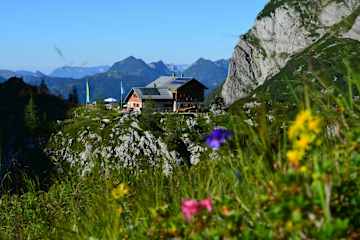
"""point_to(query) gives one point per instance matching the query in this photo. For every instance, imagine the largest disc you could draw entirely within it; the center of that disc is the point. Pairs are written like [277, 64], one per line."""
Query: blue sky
[97, 32]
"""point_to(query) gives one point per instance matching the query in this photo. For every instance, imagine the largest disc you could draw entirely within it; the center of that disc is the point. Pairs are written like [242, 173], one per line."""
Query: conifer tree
[43, 87]
[73, 96]
[31, 118]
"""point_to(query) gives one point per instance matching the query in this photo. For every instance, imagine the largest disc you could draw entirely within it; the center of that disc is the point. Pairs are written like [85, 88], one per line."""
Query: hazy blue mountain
[160, 67]
[28, 76]
[24, 73]
[132, 72]
[177, 68]
[7, 74]
[133, 67]
[210, 73]
[78, 72]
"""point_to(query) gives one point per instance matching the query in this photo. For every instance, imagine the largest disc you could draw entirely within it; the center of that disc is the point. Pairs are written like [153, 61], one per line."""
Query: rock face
[280, 32]
[354, 32]
[121, 143]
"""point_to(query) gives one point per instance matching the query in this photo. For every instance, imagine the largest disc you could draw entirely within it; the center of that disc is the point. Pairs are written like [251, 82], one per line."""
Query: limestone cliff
[284, 28]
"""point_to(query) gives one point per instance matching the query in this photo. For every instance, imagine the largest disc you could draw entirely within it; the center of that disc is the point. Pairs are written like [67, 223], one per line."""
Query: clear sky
[97, 32]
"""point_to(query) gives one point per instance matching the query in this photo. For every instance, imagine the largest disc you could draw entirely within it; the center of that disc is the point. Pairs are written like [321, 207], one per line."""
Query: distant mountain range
[106, 81]
[78, 72]
[177, 68]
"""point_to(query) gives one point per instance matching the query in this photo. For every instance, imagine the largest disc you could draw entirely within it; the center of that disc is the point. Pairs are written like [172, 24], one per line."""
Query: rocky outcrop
[122, 143]
[354, 32]
[287, 30]
[336, 11]
[128, 148]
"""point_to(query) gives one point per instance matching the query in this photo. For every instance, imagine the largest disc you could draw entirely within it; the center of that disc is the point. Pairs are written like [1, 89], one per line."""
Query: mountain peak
[160, 68]
[131, 58]
[134, 67]
[203, 61]
[200, 60]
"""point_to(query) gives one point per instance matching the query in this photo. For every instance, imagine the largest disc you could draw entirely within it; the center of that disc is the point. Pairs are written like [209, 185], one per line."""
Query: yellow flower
[294, 130]
[303, 142]
[120, 191]
[302, 133]
[303, 117]
[294, 157]
[314, 125]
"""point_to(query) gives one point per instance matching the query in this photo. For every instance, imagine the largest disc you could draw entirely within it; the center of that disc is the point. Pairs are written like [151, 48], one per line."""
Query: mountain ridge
[131, 71]
[78, 72]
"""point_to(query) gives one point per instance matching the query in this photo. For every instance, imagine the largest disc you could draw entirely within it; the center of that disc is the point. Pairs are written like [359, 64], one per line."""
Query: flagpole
[87, 93]
[121, 93]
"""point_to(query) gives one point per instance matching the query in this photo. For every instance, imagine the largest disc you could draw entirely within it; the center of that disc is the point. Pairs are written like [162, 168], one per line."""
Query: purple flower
[217, 138]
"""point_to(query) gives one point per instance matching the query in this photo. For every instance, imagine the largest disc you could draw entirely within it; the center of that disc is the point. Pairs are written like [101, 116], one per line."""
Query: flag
[122, 88]
[87, 92]
[121, 93]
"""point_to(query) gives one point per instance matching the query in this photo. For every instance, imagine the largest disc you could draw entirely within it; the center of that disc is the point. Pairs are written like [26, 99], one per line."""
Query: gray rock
[118, 147]
[274, 39]
[354, 32]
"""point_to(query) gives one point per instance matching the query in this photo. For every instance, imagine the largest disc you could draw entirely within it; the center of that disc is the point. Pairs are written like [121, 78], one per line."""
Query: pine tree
[31, 118]
[73, 96]
[43, 87]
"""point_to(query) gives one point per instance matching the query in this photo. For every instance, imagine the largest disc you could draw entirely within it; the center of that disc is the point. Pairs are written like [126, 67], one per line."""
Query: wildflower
[191, 207]
[299, 123]
[303, 142]
[206, 203]
[303, 116]
[314, 125]
[293, 130]
[302, 133]
[217, 138]
[225, 211]
[294, 157]
[120, 191]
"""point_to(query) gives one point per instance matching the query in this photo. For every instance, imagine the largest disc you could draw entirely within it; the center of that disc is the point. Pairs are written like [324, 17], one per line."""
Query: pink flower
[190, 207]
[206, 203]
